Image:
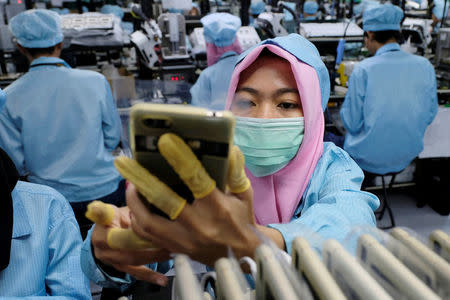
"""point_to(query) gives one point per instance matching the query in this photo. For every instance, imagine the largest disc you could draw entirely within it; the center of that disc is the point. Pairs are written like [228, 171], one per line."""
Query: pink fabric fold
[213, 53]
[277, 196]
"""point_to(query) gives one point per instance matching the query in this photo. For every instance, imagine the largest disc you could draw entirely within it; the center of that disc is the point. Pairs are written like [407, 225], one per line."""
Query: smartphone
[230, 283]
[208, 133]
[430, 258]
[309, 265]
[392, 275]
[186, 283]
[272, 282]
[440, 243]
[352, 278]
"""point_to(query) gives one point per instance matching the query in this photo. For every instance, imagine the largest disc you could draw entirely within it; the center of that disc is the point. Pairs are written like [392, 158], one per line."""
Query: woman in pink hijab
[278, 92]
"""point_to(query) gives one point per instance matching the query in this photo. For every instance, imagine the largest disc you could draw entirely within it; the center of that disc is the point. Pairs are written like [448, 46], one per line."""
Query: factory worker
[59, 124]
[222, 50]
[310, 10]
[39, 240]
[256, 7]
[359, 6]
[391, 98]
[113, 10]
[438, 12]
[292, 181]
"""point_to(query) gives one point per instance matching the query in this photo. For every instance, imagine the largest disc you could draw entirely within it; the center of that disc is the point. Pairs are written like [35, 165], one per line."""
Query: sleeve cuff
[92, 269]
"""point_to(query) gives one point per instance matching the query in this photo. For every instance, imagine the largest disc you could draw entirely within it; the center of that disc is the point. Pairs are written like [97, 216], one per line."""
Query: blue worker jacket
[45, 248]
[211, 89]
[59, 126]
[391, 99]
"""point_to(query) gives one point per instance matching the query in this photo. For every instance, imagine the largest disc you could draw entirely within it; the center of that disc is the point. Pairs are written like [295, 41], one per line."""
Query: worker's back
[210, 90]
[391, 100]
[59, 125]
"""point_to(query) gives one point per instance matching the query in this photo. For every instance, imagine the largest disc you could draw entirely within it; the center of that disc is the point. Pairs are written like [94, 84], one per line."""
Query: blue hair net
[220, 28]
[310, 7]
[113, 10]
[37, 28]
[383, 17]
[257, 8]
[306, 52]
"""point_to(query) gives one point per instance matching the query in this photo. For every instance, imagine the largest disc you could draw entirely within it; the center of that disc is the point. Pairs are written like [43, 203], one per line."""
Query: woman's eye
[243, 104]
[288, 105]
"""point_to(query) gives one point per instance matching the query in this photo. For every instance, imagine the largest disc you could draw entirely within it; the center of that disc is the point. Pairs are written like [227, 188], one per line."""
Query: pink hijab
[213, 52]
[277, 196]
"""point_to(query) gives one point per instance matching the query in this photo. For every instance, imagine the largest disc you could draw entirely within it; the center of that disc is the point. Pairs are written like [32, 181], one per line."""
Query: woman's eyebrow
[248, 90]
[282, 91]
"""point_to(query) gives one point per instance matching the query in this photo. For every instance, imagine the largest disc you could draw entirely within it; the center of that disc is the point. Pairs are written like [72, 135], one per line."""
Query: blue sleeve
[11, 140]
[334, 203]
[201, 91]
[95, 273]
[434, 105]
[64, 276]
[110, 119]
[352, 108]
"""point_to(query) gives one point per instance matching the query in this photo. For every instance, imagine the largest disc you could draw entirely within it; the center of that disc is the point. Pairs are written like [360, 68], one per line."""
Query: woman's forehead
[268, 69]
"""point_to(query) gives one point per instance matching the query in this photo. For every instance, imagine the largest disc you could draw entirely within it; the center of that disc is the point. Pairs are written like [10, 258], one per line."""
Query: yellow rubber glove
[100, 213]
[188, 167]
[121, 238]
[155, 191]
[118, 238]
[237, 179]
[184, 162]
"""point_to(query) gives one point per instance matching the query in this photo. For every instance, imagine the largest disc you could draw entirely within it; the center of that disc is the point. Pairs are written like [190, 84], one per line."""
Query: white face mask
[268, 145]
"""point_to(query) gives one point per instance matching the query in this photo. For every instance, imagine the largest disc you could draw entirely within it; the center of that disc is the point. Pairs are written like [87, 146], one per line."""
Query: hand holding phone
[208, 134]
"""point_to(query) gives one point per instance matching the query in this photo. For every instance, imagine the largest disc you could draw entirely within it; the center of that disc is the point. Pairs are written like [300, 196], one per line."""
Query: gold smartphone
[208, 133]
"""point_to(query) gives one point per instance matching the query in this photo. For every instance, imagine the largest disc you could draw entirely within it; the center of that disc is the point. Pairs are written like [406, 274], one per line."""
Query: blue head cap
[257, 8]
[37, 28]
[310, 7]
[220, 28]
[305, 52]
[383, 17]
[2, 99]
[113, 10]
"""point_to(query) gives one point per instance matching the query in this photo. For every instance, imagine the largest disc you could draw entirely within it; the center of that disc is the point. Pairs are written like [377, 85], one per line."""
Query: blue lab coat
[211, 89]
[333, 203]
[391, 100]
[59, 126]
[45, 248]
